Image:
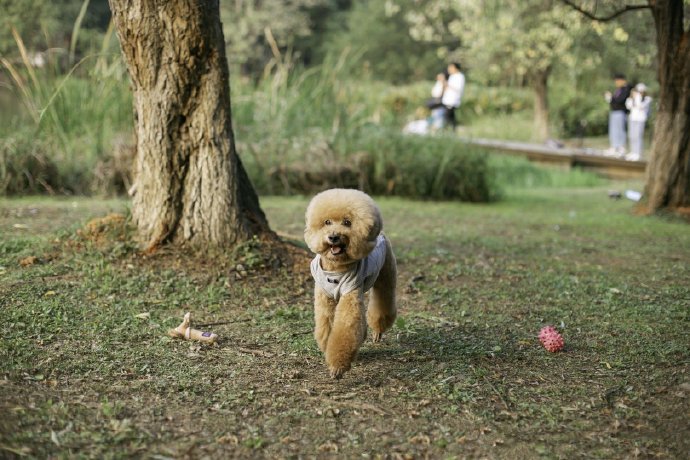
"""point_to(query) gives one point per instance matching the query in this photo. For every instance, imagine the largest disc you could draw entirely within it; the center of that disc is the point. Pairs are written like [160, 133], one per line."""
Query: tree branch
[611, 16]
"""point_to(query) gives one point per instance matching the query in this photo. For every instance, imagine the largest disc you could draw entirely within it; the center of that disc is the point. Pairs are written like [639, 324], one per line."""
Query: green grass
[87, 370]
[515, 126]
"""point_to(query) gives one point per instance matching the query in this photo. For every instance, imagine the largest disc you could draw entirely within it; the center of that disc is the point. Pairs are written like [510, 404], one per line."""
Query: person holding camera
[638, 104]
[453, 91]
[618, 113]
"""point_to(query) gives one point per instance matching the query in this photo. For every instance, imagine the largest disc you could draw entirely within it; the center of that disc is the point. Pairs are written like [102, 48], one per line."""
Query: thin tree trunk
[190, 186]
[668, 171]
[540, 85]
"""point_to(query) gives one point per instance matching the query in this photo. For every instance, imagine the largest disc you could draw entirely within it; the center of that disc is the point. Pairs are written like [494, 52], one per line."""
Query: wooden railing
[591, 159]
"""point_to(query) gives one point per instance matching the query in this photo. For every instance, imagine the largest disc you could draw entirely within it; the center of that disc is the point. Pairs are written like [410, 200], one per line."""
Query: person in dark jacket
[618, 113]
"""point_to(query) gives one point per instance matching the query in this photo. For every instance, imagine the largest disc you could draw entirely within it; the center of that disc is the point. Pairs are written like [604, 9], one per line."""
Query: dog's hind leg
[382, 309]
[347, 333]
[324, 310]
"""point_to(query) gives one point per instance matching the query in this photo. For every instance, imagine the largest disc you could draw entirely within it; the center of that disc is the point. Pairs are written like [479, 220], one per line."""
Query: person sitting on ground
[437, 111]
[453, 91]
[638, 104]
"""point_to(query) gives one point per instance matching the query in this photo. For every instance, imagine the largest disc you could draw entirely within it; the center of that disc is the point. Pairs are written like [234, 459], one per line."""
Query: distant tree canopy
[522, 39]
[511, 42]
[397, 41]
[256, 30]
[386, 44]
[374, 35]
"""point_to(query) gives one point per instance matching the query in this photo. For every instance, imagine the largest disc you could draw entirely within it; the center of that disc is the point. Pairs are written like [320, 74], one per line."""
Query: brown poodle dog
[352, 256]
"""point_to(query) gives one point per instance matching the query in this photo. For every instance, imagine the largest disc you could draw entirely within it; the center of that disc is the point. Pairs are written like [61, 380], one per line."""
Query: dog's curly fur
[342, 226]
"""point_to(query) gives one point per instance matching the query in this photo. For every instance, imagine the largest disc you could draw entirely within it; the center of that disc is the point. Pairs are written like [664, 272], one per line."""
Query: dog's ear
[365, 230]
[376, 225]
[310, 234]
[312, 239]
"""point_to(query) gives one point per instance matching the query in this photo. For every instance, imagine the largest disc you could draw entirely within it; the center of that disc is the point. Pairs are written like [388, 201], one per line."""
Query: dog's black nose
[334, 239]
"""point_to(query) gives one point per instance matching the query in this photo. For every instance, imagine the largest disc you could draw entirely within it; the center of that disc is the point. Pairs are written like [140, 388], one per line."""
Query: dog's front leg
[324, 311]
[382, 310]
[347, 333]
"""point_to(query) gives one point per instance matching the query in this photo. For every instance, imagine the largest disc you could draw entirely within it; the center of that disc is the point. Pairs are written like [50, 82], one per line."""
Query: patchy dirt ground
[87, 369]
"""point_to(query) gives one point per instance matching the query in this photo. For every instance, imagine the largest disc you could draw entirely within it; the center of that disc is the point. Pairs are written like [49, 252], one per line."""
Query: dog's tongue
[336, 249]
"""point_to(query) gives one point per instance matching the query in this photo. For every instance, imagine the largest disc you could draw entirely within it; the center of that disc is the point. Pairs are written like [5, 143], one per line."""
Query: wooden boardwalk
[590, 159]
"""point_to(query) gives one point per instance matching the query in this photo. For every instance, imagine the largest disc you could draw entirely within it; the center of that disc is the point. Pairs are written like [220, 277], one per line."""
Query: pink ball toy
[551, 339]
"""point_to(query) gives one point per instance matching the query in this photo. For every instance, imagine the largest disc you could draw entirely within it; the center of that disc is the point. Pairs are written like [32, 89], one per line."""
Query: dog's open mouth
[337, 249]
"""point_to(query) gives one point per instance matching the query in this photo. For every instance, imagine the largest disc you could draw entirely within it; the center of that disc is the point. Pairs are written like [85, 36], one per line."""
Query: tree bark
[540, 85]
[668, 171]
[190, 186]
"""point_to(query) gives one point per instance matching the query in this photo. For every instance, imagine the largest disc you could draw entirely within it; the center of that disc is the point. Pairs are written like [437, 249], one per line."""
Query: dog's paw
[376, 337]
[337, 372]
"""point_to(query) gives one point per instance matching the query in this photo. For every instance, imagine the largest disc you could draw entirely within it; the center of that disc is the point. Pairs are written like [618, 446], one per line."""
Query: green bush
[582, 116]
[25, 167]
[386, 49]
[382, 162]
[436, 167]
[34, 165]
[385, 162]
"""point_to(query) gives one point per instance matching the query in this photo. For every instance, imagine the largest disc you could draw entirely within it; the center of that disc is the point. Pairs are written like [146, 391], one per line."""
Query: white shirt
[437, 90]
[452, 96]
[638, 106]
[363, 274]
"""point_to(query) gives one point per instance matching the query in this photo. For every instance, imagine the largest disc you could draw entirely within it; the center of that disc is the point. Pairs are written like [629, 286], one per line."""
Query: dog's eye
[347, 222]
[327, 222]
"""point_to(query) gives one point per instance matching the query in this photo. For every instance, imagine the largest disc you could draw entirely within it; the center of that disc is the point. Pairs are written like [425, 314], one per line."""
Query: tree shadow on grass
[445, 346]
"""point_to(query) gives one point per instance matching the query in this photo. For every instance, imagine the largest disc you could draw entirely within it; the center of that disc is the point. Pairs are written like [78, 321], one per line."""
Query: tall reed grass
[297, 130]
[66, 121]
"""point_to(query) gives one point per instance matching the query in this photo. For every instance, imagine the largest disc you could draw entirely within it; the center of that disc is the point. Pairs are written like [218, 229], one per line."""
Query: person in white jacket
[453, 91]
[638, 104]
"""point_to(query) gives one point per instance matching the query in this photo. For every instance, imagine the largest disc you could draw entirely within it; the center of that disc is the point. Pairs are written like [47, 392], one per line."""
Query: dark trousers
[450, 117]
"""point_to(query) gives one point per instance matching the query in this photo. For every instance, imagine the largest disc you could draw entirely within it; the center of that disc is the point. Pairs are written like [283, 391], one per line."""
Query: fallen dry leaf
[420, 439]
[228, 439]
[329, 446]
[26, 261]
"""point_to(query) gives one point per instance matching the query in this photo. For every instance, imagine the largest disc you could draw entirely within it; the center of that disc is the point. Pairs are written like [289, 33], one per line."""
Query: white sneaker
[633, 157]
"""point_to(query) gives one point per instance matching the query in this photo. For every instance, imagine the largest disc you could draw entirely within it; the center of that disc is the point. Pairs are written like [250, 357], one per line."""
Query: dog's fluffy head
[342, 225]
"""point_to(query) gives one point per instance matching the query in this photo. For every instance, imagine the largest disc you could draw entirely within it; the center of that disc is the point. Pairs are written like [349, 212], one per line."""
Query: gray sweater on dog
[363, 274]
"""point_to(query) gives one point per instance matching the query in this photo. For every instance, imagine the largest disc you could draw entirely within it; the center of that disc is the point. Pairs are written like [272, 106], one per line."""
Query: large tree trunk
[668, 171]
[189, 187]
[540, 85]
